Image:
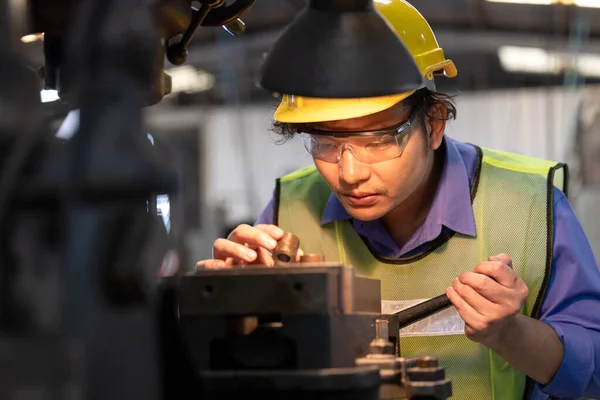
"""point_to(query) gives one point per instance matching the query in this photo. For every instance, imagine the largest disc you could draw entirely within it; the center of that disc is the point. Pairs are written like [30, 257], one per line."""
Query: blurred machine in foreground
[80, 248]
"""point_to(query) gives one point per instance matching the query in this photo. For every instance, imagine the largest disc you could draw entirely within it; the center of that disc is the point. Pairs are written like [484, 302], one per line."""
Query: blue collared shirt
[572, 303]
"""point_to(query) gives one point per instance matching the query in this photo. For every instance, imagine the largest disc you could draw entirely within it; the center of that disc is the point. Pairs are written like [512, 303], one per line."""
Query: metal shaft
[423, 310]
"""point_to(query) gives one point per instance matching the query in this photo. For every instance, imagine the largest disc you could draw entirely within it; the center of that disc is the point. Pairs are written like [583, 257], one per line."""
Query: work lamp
[339, 49]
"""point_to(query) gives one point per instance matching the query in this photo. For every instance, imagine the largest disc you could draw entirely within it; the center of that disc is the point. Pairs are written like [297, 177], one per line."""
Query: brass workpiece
[312, 258]
[287, 249]
[286, 252]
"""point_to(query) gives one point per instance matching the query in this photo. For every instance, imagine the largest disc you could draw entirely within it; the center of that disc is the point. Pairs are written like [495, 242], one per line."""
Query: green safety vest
[512, 198]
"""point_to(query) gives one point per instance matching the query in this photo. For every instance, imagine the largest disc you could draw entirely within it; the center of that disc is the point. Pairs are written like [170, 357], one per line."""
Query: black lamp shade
[339, 49]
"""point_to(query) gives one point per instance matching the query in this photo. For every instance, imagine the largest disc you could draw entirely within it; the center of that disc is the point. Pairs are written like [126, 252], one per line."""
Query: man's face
[370, 191]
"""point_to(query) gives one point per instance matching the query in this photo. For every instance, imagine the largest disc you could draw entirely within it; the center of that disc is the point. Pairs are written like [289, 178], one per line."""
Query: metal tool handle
[423, 310]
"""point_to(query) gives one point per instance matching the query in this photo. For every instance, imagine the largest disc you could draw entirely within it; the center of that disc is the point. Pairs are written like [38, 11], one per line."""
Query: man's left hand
[488, 298]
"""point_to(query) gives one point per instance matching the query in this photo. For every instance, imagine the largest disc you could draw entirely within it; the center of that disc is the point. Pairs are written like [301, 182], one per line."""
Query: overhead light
[69, 126]
[47, 96]
[339, 49]
[527, 59]
[588, 65]
[539, 61]
[188, 79]
[34, 37]
[587, 3]
[577, 3]
[540, 2]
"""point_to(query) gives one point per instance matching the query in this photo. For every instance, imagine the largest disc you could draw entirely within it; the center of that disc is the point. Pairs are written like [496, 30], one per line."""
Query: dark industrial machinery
[59, 20]
[313, 330]
[296, 66]
[298, 330]
[80, 313]
[79, 250]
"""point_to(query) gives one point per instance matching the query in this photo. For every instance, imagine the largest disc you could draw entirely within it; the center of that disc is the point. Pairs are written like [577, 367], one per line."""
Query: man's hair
[430, 105]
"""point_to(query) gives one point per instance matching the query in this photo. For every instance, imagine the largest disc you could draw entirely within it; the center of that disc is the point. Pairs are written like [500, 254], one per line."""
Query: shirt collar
[451, 205]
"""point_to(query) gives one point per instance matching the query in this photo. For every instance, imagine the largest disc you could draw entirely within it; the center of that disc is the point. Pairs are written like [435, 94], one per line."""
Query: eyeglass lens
[366, 149]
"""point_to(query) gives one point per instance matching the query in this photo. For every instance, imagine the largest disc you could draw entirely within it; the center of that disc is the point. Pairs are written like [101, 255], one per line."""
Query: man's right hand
[245, 245]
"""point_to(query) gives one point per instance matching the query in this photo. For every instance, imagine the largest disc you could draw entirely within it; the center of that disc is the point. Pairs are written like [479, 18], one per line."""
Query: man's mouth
[361, 199]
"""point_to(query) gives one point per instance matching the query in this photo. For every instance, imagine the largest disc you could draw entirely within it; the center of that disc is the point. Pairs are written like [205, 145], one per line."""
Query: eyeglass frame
[402, 128]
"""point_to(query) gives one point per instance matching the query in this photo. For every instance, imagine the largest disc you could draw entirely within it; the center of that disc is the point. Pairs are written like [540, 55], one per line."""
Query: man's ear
[436, 125]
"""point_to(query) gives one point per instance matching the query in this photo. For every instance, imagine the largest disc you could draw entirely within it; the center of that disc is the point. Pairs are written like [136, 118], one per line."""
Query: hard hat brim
[299, 110]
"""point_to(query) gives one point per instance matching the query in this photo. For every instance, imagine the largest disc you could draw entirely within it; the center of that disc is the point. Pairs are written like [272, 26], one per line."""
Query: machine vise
[308, 330]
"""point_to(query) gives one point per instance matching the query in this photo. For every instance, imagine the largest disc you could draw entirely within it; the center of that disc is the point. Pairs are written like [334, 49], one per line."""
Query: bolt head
[427, 362]
[381, 346]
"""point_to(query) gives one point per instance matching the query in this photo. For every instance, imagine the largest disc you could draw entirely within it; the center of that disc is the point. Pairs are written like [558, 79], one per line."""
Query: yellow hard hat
[417, 36]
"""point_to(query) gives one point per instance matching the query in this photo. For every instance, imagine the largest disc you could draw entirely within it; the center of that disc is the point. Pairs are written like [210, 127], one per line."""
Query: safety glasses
[370, 147]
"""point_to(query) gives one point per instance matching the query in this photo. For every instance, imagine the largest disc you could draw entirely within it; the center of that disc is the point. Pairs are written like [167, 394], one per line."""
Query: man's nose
[352, 171]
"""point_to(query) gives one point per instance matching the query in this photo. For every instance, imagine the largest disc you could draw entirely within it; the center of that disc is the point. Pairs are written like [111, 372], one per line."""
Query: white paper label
[443, 323]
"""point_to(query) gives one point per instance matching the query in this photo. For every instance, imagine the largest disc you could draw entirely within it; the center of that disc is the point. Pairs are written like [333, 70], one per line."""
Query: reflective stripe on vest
[513, 211]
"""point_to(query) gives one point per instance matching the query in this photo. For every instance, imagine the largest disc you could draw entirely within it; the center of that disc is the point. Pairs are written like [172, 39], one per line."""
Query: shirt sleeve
[572, 307]
[266, 217]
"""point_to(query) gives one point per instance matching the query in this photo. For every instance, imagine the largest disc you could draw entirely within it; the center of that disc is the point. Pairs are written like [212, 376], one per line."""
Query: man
[393, 196]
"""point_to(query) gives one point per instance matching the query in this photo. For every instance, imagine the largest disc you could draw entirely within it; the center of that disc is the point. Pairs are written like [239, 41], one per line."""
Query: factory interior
[522, 71]
[527, 83]
[526, 64]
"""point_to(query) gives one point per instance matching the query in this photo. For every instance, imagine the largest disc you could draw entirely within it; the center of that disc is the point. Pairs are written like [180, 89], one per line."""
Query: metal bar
[422, 310]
